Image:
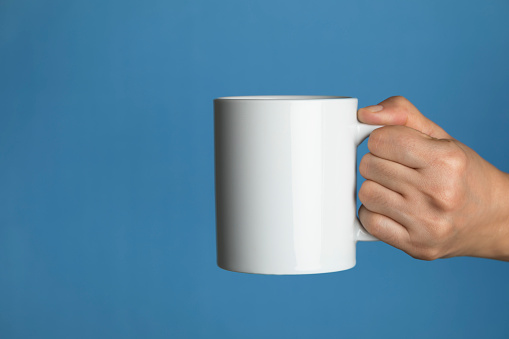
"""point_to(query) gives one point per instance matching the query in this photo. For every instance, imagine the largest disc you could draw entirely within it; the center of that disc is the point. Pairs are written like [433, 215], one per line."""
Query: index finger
[401, 144]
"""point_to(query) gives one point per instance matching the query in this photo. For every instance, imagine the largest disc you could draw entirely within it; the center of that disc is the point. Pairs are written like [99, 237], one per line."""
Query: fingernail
[375, 108]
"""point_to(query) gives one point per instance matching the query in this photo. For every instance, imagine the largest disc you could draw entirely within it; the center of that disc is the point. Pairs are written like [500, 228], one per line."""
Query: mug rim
[284, 97]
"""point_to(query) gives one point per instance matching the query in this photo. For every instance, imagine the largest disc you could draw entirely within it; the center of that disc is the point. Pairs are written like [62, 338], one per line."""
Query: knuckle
[363, 193]
[366, 192]
[429, 254]
[447, 189]
[374, 224]
[376, 139]
[447, 195]
[453, 158]
[401, 104]
[393, 139]
[431, 242]
[364, 165]
[450, 198]
[399, 100]
[426, 253]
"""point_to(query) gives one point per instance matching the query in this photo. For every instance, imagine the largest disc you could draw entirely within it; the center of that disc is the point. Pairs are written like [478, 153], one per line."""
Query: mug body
[285, 171]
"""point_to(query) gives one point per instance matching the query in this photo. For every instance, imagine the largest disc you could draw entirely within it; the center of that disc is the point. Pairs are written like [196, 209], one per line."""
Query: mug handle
[362, 131]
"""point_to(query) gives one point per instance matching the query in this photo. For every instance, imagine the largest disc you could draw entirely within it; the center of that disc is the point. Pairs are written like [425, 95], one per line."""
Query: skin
[427, 193]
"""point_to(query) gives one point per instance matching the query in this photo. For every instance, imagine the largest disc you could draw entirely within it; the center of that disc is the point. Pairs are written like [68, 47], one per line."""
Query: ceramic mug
[285, 171]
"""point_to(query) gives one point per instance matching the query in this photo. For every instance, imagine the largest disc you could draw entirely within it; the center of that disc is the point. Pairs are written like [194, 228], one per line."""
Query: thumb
[399, 111]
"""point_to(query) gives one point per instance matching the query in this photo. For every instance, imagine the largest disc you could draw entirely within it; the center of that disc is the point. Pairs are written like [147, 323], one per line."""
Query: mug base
[287, 272]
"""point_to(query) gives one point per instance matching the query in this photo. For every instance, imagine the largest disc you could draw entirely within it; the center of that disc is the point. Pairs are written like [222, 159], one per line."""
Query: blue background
[106, 163]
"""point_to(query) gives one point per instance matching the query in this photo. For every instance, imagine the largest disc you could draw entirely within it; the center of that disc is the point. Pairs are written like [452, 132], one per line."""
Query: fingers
[390, 174]
[403, 145]
[399, 111]
[382, 200]
[385, 229]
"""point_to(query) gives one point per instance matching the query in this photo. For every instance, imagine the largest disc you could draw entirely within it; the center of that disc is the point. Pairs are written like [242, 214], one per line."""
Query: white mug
[286, 183]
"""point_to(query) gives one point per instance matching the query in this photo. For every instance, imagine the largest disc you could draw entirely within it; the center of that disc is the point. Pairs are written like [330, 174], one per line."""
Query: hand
[427, 193]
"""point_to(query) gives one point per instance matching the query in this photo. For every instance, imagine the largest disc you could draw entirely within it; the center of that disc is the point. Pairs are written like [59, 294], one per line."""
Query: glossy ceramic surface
[285, 183]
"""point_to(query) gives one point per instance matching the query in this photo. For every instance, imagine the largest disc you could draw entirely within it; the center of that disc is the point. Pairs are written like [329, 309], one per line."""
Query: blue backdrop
[106, 163]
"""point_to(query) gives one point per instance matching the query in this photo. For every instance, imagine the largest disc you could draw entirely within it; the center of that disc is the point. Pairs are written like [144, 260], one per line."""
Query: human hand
[427, 193]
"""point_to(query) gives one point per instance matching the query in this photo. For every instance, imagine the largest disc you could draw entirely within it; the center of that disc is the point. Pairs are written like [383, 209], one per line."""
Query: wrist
[492, 240]
[501, 226]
